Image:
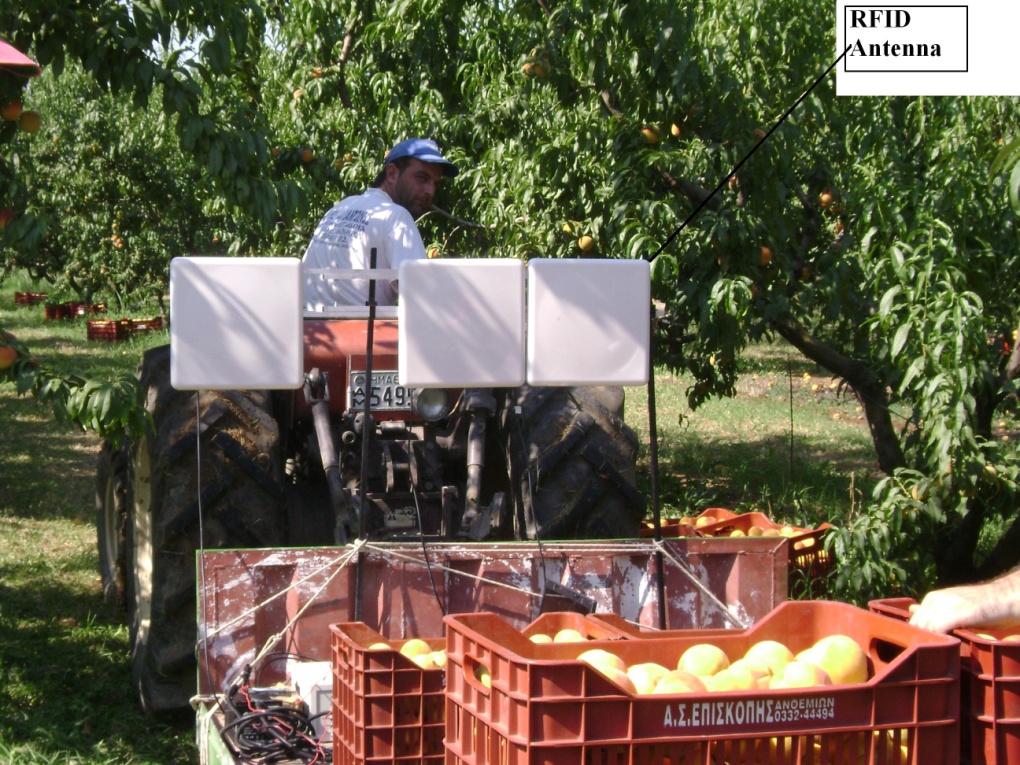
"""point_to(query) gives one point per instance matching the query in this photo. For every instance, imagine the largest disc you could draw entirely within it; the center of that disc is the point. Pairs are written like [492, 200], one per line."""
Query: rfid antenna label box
[906, 38]
[927, 48]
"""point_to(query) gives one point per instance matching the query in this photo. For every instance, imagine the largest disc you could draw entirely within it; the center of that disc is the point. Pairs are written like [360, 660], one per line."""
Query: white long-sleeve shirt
[344, 239]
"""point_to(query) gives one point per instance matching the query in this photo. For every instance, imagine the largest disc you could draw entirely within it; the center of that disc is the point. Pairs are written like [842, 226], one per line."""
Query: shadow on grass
[46, 468]
[779, 359]
[698, 473]
[67, 684]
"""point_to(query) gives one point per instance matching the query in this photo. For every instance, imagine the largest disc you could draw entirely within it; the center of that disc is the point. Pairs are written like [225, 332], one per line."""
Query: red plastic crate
[990, 688]
[385, 707]
[543, 706]
[376, 712]
[109, 330]
[85, 309]
[55, 311]
[146, 325]
[592, 627]
[29, 298]
[671, 528]
[714, 514]
[687, 526]
[808, 555]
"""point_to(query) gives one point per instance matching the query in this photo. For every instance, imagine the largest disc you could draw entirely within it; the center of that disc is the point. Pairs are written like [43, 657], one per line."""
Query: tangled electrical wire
[272, 725]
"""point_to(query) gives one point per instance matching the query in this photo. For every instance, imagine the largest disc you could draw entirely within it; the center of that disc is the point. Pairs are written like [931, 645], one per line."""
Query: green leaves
[1007, 158]
[110, 408]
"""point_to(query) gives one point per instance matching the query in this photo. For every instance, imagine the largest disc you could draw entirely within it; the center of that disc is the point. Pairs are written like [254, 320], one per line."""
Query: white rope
[697, 583]
[343, 560]
[441, 567]
[274, 639]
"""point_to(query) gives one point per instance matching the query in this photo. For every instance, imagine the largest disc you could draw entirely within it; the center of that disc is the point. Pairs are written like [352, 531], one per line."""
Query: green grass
[66, 694]
[65, 681]
[739, 452]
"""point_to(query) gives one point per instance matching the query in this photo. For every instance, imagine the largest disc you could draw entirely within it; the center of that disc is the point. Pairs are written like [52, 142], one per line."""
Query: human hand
[947, 609]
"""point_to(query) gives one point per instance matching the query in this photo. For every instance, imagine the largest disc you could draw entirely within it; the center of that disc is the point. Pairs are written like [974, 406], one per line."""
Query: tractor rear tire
[241, 500]
[572, 463]
[113, 503]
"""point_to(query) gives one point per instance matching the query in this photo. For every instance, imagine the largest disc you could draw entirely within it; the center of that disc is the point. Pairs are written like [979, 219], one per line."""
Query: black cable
[425, 552]
[653, 454]
[271, 735]
[269, 731]
[531, 488]
[747, 156]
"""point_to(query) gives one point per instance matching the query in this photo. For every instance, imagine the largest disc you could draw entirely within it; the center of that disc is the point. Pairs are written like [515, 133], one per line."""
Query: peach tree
[874, 235]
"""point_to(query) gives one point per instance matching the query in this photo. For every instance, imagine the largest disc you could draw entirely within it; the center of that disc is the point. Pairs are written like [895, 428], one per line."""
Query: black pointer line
[747, 156]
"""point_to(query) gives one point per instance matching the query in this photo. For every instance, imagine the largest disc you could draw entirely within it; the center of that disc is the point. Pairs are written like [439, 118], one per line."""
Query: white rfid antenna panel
[589, 322]
[235, 323]
[461, 323]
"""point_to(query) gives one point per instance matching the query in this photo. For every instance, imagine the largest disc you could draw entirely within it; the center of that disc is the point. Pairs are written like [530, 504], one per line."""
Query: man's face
[414, 187]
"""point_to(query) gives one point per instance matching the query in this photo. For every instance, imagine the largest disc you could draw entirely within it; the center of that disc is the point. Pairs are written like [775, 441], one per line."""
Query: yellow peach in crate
[703, 659]
[771, 654]
[540, 638]
[749, 674]
[483, 675]
[720, 682]
[603, 660]
[415, 647]
[569, 635]
[646, 676]
[425, 660]
[800, 674]
[379, 646]
[843, 660]
[439, 658]
[678, 681]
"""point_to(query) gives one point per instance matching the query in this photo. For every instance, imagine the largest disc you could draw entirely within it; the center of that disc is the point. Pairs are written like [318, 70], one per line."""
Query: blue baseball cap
[421, 149]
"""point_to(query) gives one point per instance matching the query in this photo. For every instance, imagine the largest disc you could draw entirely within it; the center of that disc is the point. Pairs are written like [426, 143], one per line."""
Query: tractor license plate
[387, 394]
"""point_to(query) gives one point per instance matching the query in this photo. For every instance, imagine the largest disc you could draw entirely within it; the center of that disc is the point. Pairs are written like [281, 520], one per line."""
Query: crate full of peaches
[814, 669]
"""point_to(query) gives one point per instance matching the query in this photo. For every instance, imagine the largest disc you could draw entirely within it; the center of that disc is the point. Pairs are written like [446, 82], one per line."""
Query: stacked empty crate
[29, 298]
[112, 330]
[541, 705]
[387, 708]
[990, 687]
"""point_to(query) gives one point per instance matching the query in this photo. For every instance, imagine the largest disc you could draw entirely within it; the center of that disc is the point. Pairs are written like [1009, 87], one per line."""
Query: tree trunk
[866, 384]
[1013, 366]
[954, 553]
[1006, 554]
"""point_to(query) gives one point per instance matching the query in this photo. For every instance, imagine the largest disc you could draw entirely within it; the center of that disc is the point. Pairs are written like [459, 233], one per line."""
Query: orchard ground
[66, 694]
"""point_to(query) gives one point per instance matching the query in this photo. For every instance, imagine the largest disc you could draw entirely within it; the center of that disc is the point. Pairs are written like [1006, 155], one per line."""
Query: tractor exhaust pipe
[317, 395]
[480, 405]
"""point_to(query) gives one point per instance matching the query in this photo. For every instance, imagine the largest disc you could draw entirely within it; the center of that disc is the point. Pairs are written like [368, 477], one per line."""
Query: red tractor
[248, 468]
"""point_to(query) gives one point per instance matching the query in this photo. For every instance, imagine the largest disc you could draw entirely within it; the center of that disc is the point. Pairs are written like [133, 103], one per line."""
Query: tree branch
[692, 191]
[609, 102]
[870, 390]
[455, 219]
[345, 55]
[1005, 555]
[1013, 365]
